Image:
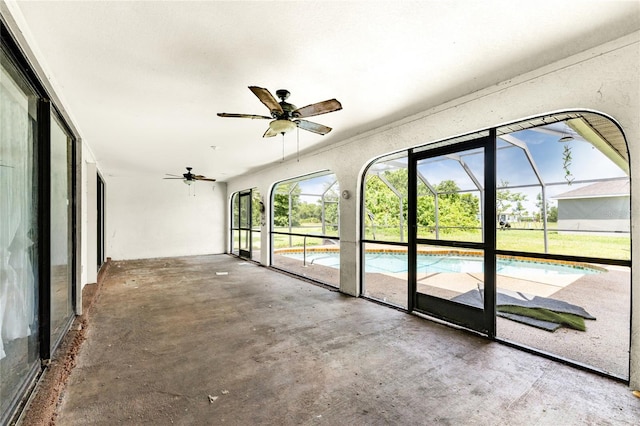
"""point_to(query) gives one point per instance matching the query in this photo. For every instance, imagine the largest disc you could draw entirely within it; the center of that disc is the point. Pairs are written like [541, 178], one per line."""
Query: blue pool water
[390, 263]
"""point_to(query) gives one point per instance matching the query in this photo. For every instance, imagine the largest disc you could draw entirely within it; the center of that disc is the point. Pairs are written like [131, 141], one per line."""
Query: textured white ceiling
[143, 81]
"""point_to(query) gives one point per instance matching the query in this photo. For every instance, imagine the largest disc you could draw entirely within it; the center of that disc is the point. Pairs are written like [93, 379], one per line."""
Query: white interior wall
[149, 217]
[87, 274]
[88, 219]
[83, 224]
[90, 200]
[603, 79]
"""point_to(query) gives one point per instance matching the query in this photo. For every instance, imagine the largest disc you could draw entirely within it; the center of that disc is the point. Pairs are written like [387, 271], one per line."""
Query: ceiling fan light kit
[282, 126]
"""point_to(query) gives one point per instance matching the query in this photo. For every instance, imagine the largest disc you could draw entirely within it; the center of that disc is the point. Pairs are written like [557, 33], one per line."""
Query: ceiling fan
[285, 116]
[189, 177]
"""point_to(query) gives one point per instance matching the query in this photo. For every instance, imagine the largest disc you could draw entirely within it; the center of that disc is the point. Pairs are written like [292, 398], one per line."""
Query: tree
[255, 208]
[455, 211]
[309, 212]
[471, 205]
[448, 189]
[505, 199]
[539, 213]
[399, 179]
[552, 211]
[519, 210]
[381, 202]
[331, 216]
[331, 206]
[281, 205]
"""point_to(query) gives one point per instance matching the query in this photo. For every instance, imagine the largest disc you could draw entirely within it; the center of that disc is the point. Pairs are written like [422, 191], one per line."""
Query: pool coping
[451, 252]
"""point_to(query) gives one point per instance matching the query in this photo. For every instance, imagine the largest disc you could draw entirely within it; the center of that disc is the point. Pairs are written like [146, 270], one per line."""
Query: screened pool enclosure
[306, 227]
[521, 232]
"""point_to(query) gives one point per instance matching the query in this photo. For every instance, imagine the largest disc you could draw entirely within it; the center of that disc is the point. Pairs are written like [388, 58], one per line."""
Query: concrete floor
[216, 340]
[604, 346]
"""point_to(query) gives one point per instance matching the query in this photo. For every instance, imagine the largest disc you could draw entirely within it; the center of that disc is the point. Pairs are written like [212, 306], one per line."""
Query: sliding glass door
[19, 344]
[61, 225]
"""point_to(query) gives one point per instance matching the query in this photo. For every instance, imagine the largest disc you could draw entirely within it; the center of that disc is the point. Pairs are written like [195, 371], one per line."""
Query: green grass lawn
[283, 241]
[531, 240]
[569, 244]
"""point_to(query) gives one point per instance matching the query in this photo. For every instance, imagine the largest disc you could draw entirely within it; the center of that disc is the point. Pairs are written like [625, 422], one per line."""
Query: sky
[587, 163]
[313, 188]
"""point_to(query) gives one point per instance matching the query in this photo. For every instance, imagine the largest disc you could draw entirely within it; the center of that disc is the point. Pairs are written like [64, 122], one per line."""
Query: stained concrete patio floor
[604, 346]
[173, 341]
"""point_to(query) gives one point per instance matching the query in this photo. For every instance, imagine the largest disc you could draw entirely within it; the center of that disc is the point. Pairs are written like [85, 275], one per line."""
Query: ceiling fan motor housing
[287, 108]
[282, 94]
[188, 176]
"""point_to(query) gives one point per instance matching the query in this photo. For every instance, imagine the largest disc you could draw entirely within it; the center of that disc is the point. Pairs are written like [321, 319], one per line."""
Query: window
[305, 228]
[563, 237]
[386, 231]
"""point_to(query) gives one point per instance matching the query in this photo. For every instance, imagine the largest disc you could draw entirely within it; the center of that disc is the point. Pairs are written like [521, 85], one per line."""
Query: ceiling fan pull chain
[298, 143]
[283, 147]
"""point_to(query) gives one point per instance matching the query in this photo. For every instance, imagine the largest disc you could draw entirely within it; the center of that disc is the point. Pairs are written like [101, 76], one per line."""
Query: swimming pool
[396, 263]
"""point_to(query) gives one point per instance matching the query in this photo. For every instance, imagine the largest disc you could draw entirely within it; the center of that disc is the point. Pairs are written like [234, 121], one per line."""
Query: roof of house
[609, 188]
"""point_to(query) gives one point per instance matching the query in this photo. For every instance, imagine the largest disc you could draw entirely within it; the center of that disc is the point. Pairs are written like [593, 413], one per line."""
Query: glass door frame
[71, 184]
[481, 320]
[100, 219]
[244, 228]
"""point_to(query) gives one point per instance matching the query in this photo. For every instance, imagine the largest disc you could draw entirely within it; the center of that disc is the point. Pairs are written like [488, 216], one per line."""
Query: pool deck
[531, 283]
[606, 296]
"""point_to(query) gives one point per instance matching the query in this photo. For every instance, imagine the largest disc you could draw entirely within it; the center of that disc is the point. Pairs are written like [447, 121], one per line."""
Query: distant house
[603, 207]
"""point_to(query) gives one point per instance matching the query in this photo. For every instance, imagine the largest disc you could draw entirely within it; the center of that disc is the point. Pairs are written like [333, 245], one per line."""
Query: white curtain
[17, 218]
